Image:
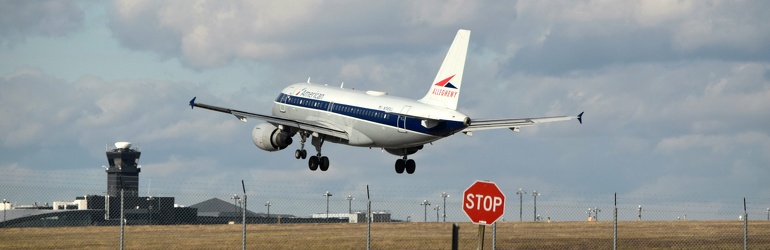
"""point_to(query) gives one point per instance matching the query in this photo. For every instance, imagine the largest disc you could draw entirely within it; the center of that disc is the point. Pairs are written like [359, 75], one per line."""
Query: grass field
[510, 235]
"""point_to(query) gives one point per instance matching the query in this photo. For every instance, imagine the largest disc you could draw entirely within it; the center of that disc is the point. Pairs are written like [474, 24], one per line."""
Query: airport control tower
[124, 170]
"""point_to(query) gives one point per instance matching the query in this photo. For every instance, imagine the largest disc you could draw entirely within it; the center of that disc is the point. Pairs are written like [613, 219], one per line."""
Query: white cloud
[211, 34]
[716, 144]
[22, 19]
[653, 13]
[43, 111]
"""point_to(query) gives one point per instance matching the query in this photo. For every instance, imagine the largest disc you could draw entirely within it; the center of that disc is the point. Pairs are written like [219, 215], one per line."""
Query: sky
[676, 97]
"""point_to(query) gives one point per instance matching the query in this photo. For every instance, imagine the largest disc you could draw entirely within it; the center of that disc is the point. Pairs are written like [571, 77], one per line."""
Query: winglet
[192, 103]
[579, 117]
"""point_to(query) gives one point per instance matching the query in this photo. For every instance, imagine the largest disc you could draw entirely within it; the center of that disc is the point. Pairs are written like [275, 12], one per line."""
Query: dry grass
[510, 235]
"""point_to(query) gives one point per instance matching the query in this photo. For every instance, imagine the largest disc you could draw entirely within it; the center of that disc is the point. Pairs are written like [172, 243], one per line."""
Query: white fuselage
[370, 118]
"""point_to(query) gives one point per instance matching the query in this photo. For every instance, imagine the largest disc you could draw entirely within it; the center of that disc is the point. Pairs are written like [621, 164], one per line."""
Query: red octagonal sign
[484, 203]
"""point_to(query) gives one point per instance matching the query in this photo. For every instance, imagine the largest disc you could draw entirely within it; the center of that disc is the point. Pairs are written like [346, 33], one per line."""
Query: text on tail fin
[445, 89]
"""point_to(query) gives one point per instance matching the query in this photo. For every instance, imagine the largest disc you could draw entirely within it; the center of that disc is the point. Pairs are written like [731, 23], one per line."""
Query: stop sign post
[483, 202]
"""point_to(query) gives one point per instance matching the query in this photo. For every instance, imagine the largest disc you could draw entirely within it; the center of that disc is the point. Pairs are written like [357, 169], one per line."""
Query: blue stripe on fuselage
[443, 129]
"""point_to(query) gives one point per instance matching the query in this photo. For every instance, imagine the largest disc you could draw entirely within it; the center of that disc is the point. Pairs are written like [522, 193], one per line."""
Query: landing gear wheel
[313, 163]
[400, 165]
[301, 152]
[324, 163]
[298, 154]
[410, 166]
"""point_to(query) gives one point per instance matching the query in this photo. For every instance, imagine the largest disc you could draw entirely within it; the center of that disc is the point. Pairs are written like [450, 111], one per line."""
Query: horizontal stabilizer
[515, 124]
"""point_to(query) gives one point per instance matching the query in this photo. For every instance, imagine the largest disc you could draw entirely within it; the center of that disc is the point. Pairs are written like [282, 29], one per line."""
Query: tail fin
[445, 90]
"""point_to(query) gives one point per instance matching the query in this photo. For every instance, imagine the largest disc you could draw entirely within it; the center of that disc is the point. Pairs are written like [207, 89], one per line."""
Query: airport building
[357, 217]
[123, 192]
[122, 188]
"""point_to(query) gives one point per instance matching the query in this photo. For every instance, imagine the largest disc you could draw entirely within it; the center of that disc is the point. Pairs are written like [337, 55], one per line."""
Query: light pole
[149, 208]
[639, 217]
[236, 198]
[535, 194]
[437, 208]
[5, 207]
[768, 212]
[444, 195]
[590, 218]
[521, 193]
[268, 204]
[327, 194]
[425, 203]
[350, 202]
[596, 213]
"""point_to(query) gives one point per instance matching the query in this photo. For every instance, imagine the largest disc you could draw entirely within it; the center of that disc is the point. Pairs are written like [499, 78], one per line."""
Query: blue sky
[676, 95]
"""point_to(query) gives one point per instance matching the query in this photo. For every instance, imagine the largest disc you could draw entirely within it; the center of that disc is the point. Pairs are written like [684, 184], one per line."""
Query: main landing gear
[316, 161]
[405, 164]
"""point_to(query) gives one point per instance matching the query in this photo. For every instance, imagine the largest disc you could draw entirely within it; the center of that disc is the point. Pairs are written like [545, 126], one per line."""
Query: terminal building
[356, 217]
[123, 191]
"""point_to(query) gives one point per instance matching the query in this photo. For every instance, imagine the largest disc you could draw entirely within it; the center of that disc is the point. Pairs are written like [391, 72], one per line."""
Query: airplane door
[401, 122]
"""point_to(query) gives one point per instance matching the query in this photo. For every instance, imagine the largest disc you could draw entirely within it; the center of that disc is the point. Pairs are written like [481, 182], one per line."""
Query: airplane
[373, 119]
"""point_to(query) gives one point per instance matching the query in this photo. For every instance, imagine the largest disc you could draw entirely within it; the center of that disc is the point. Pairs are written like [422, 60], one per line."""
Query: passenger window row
[336, 108]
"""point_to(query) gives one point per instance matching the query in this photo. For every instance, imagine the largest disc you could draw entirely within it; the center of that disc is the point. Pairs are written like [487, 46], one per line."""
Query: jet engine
[269, 138]
[403, 151]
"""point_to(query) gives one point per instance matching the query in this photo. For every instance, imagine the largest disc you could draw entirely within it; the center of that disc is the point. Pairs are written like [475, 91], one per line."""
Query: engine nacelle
[403, 151]
[269, 138]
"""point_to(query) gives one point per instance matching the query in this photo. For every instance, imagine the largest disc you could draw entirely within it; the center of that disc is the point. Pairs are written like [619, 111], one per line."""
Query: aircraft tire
[410, 166]
[400, 165]
[313, 163]
[298, 154]
[324, 163]
[304, 154]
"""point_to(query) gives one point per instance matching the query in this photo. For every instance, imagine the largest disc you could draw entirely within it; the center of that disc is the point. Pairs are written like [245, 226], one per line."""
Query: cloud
[211, 34]
[717, 144]
[22, 19]
[588, 35]
[43, 112]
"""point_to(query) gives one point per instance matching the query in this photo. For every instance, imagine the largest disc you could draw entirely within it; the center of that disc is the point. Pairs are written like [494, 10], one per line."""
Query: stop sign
[483, 202]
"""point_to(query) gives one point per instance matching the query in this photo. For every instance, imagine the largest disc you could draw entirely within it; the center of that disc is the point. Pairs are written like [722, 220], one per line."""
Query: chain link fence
[78, 209]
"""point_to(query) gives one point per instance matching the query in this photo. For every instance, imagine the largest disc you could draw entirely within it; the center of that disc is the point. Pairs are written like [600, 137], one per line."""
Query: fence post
[615, 228]
[368, 219]
[122, 218]
[243, 217]
[455, 233]
[745, 226]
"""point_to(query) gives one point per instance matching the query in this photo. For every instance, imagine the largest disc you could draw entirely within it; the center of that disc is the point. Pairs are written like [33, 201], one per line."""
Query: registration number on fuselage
[386, 108]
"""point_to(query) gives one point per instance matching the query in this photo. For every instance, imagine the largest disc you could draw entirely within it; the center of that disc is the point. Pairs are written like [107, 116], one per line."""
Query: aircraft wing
[515, 123]
[242, 115]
